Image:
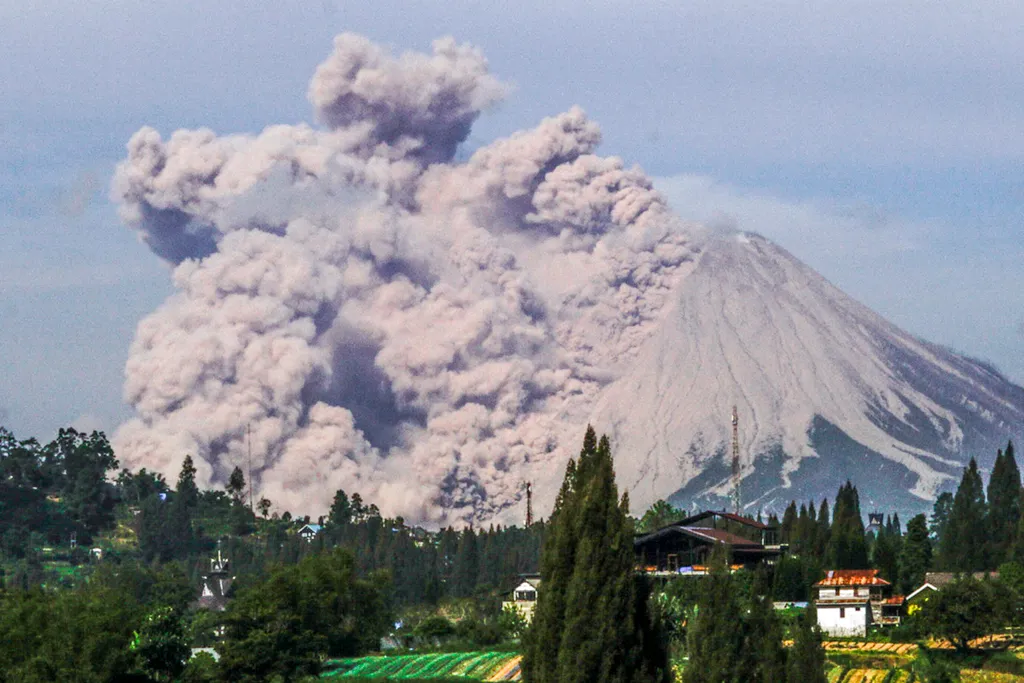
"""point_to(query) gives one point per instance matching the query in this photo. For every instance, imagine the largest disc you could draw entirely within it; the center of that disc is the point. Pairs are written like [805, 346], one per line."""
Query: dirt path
[509, 671]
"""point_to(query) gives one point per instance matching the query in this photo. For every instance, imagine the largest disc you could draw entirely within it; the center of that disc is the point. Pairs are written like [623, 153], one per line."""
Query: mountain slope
[826, 390]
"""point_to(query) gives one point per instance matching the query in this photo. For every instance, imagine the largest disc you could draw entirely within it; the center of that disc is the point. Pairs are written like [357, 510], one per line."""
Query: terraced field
[473, 666]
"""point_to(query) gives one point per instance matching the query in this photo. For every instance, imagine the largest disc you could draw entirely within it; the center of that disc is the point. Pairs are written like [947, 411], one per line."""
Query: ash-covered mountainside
[826, 389]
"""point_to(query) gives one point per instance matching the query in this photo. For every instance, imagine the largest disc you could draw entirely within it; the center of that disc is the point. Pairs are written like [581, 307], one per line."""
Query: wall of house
[844, 621]
[829, 593]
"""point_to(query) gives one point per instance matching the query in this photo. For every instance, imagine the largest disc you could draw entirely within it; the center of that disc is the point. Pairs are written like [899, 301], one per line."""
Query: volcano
[826, 390]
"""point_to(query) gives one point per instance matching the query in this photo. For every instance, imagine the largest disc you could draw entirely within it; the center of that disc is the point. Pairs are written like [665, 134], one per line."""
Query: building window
[842, 612]
[837, 591]
[526, 596]
[858, 609]
[673, 563]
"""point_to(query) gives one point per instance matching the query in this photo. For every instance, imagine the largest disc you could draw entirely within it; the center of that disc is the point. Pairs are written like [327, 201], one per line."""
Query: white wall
[853, 623]
[844, 592]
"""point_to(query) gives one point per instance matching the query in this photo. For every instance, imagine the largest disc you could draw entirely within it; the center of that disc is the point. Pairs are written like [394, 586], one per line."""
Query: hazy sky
[880, 142]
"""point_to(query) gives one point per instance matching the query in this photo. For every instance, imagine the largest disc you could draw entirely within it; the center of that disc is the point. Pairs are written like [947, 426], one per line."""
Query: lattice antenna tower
[529, 505]
[736, 503]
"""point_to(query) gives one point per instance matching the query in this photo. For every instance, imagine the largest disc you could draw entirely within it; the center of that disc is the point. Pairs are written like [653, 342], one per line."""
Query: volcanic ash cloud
[365, 313]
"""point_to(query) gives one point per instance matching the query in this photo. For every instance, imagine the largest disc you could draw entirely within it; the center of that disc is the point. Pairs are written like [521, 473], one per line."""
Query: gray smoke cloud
[361, 312]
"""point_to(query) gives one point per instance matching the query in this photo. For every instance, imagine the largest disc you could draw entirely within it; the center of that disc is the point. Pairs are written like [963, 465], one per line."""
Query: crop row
[841, 674]
[471, 665]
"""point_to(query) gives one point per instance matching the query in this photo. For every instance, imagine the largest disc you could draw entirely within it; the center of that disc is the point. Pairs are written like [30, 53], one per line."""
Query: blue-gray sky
[881, 142]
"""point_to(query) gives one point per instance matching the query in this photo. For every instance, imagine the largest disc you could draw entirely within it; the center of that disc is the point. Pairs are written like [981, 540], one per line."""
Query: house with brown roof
[686, 546]
[848, 601]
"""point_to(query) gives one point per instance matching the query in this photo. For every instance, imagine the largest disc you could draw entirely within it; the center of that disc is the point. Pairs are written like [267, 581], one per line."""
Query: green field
[474, 666]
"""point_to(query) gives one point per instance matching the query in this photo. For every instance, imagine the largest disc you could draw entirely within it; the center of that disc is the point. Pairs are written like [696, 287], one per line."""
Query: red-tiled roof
[894, 600]
[852, 577]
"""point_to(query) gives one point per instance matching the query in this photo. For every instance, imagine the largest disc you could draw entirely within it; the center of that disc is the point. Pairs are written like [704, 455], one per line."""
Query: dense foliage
[592, 622]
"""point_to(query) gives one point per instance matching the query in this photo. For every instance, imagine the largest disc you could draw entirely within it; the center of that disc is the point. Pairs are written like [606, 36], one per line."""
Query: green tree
[964, 610]
[806, 660]
[963, 544]
[591, 621]
[161, 645]
[789, 518]
[847, 548]
[467, 565]
[659, 515]
[80, 635]
[939, 521]
[78, 464]
[916, 554]
[341, 509]
[885, 554]
[236, 486]
[1004, 506]
[285, 625]
[766, 659]
[714, 640]
[187, 491]
[824, 530]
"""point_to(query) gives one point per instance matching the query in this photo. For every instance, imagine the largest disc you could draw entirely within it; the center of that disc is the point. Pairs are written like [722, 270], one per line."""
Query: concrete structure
[846, 618]
[848, 601]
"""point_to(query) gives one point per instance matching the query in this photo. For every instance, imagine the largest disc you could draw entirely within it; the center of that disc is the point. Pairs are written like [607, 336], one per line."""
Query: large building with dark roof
[686, 546]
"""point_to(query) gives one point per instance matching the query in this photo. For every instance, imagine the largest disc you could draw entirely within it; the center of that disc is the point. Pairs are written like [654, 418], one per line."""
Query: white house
[310, 531]
[844, 618]
[850, 600]
[524, 597]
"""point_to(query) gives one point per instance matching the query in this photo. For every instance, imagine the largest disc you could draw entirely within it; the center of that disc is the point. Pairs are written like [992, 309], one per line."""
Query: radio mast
[736, 460]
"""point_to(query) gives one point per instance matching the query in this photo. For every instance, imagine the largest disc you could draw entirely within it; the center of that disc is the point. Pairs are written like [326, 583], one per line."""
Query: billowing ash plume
[364, 313]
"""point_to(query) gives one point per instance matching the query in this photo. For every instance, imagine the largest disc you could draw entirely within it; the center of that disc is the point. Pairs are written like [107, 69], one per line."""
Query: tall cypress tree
[591, 621]
[763, 643]
[885, 554]
[1003, 506]
[806, 661]
[916, 554]
[962, 547]
[824, 529]
[847, 548]
[714, 639]
[187, 491]
[467, 565]
[788, 526]
[939, 521]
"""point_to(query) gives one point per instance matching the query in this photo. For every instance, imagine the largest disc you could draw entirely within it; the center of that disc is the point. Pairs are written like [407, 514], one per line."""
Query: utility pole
[736, 460]
[529, 505]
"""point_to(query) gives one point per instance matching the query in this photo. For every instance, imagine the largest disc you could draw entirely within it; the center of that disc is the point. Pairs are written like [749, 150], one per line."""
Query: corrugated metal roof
[739, 519]
[719, 535]
[942, 579]
[852, 577]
